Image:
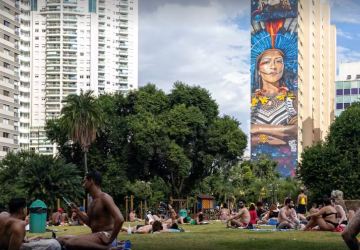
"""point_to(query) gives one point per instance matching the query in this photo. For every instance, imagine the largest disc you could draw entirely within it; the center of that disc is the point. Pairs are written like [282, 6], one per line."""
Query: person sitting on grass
[103, 217]
[260, 210]
[287, 217]
[351, 231]
[341, 215]
[12, 230]
[253, 215]
[271, 216]
[241, 219]
[325, 219]
[224, 213]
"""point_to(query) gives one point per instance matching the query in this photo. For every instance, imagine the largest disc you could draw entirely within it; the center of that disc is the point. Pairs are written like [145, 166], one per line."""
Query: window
[6, 149]
[6, 107]
[346, 91]
[357, 76]
[6, 135]
[348, 77]
[6, 23]
[6, 93]
[6, 37]
[346, 105]
[5, 121]
[354, 91]
[6, 65]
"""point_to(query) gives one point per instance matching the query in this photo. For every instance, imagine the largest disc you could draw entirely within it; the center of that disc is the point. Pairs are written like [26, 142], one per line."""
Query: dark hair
[243, 201]
[327, 201]
[174, 226]
[157, 226]
[16, 204]
[252, 206]
[287, 201]
[259, 204]
[225, 205]
[95, 176]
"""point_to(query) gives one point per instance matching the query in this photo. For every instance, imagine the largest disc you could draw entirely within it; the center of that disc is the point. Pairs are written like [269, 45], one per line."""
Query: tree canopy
[178, 137]
[335, 163]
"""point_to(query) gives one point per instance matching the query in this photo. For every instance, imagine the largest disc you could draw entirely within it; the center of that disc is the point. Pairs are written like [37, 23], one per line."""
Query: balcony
[52, 1]
[7, 15]
[7, 56]
[7, 70]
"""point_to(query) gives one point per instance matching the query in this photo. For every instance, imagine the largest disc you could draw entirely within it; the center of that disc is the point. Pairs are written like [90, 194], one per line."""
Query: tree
[178, 137]
[81, 118]
[35, 176]
[334, 163]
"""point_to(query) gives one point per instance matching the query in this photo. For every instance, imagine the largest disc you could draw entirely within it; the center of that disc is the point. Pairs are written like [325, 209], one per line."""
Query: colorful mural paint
[274, 73]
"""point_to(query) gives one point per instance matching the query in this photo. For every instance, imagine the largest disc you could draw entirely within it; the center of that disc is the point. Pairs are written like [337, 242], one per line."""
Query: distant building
[347, 86]
[293, 62]
[9, 75]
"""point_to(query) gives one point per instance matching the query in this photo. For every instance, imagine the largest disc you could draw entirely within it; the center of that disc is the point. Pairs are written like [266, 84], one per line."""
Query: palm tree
[81, 117]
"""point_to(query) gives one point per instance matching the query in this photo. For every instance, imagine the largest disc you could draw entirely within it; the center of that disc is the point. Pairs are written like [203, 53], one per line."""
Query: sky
[207, 43]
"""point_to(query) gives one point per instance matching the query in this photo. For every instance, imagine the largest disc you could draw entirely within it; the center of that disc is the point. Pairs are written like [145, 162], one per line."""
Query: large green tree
[34, 176]
[178, 137]
[334, 163]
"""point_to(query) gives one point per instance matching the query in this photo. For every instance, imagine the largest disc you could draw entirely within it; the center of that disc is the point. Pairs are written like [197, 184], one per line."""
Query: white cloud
[199, 45]
[345, 55]
[345, 11]
[344, 34]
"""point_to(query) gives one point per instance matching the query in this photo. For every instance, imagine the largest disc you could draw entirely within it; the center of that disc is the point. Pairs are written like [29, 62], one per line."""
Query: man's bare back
[12, 231]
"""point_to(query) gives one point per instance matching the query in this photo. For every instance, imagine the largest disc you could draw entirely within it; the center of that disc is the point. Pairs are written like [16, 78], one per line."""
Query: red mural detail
[273, 27]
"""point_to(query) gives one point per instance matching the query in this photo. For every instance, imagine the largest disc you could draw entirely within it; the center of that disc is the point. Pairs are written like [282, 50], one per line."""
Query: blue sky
[207, 43]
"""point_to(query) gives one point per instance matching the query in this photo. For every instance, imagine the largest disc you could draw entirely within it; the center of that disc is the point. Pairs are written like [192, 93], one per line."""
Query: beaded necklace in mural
[261, 99]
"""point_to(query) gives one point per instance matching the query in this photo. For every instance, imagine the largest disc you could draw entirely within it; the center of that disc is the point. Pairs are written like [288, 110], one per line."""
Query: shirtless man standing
[351, 231]
[103, 217]
[12, 230]
[287, 217]
[242, 218]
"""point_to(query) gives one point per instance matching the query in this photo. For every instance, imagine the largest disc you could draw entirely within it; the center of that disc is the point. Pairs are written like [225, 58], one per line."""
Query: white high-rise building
[78, 45]
[9, 75]
[24, 88]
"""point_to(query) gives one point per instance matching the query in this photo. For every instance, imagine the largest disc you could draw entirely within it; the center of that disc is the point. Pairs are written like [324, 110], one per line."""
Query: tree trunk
[85, 161]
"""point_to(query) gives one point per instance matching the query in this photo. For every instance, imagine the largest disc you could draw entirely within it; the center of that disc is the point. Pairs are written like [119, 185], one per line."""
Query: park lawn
[216, 236]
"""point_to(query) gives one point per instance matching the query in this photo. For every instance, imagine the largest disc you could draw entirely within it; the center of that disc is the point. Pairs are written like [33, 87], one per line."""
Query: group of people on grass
[330, 215]
[105, 220]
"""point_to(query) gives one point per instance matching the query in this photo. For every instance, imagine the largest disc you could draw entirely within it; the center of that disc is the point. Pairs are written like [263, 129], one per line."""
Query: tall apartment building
[9, 75]
[293, 65]
[317, 70]
[347, 86]
[78, 45]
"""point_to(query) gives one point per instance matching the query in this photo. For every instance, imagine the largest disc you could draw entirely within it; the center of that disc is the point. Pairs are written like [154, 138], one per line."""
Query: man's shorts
[43, 244]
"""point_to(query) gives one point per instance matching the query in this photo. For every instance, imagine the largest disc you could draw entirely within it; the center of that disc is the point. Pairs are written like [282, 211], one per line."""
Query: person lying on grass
[156, 226]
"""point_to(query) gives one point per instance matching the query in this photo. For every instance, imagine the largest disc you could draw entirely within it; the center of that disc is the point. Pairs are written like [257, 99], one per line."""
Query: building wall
[347, 86]
[9, 75]
[79, 45]
[314, 88]
[317, 67]
[274, 82]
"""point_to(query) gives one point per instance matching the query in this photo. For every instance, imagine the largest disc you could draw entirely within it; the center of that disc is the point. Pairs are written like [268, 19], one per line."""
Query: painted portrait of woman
[274, 111]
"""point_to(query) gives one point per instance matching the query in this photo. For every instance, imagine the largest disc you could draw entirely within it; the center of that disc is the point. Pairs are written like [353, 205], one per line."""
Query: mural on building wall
[274, 72]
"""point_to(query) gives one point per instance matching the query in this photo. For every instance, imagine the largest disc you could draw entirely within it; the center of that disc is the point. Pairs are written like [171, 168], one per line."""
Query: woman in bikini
[325, 218]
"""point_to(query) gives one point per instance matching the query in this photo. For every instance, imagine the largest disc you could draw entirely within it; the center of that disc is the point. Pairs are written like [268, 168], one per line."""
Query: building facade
[78, 45]
[347, 86]
[293, 50]
[9, 75]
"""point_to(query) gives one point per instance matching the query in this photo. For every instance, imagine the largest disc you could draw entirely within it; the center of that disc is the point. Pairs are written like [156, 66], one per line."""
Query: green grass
[216, 236]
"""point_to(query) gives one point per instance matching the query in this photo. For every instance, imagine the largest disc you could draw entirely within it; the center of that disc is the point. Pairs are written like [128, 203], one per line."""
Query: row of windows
[352, 91]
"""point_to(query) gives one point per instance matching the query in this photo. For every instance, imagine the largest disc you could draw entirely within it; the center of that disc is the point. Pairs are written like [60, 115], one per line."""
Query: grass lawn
[216, 236]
